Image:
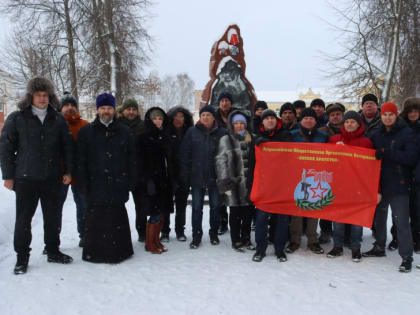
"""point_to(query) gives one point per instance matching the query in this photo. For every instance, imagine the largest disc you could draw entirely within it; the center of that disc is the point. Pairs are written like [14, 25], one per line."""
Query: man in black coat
[106, 172]
[36, 149]
[179, 121]
[270, 130]
[259, 107]
[198, 171]
[318, 105]
[131, 118]
[371, 117]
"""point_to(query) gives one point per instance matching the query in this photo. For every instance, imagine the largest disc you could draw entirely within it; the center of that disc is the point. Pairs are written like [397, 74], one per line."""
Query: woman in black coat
[155, 166]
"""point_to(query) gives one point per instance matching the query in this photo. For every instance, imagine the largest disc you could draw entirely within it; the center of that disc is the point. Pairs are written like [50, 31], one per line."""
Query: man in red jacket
[351, 134]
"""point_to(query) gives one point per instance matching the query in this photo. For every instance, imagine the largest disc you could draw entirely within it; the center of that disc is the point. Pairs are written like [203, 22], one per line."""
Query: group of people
[46, 147]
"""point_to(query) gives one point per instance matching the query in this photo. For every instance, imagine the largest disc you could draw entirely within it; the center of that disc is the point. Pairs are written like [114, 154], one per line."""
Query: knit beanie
[67, 98]
[260, 104]
[105, 99]
[317, 102]
[389, 107]
[225, 95]
[267, 113]
[239, 117]
[334, 108]
[351, 114]
[130, 102]
[287, 106]
[208, 108]
[369, 97]
[299, 104]
[308, 112]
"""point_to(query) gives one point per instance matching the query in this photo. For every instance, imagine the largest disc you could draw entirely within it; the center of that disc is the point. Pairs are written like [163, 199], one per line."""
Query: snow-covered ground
[209, 280]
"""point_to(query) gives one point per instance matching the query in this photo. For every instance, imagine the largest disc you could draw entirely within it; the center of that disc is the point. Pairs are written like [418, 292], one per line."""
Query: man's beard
[106, 118]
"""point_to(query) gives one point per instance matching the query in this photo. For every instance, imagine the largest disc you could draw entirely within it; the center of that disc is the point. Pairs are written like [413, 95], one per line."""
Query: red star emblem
[318, 191]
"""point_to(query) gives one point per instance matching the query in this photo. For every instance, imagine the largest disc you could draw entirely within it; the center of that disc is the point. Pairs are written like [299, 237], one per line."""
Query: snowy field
[209, 280]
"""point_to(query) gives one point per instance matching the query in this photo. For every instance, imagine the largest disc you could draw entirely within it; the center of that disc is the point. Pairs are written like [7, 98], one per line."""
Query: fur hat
[225, 95]
[208, 108]
[389, 107]
[130, 102]
[67, 98]
[411, 103]
[287, 106]
[105, 99]
[36, 85]
[334, 108]
[318, 102]
[260, 104]
[351, 114]
[308, 112]
[157, 113]
[370, 97]
[267, 113]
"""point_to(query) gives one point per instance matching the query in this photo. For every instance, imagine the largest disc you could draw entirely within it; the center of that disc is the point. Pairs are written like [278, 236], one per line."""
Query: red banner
[315, 180]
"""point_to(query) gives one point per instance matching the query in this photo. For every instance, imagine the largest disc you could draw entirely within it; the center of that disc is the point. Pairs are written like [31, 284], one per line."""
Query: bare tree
[369, 35]
[178, 90]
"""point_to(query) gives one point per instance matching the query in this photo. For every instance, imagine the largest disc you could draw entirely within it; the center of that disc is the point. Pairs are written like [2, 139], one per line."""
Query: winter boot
[281, 256]
[417, 243]
[223, 228]
[238, 247]
[142, 238]
[406, 264]
[393, 245]
[164, 237]
[159, 229]
[195, 243]
[59, 257]
[248, 244]
[150, 245]
[335, 252]
[21, 264]
[315, 248]
[376, 251]
[214, 239]
[181, 237]
[356, 256]
[82, 242]
[324, 238]
[292, 247]
[258, 256]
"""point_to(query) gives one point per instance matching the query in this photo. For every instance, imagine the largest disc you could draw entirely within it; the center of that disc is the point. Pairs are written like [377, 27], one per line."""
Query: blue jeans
[197, 194]
[356, 235]
[80, 201]
[281, 234]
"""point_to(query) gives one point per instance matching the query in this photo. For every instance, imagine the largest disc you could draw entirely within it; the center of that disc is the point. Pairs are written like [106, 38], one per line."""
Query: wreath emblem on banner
[314, 192]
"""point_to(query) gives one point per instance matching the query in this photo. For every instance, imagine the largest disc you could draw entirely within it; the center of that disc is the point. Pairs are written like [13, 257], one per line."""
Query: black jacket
[33, 150]
[155, 161]
[106, 163]
[416, 128]
[397, 150]
[176, 136]
[197, 155]
[136, 125]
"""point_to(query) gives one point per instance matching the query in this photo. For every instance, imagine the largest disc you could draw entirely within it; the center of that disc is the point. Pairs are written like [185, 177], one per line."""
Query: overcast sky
[282, 39]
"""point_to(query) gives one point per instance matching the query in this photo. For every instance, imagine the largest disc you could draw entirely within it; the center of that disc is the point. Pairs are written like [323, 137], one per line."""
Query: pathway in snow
[209, 280]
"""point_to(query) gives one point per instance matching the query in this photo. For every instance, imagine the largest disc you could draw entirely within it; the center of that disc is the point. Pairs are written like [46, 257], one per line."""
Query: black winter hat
[299, 104]
[130, 102]
[268, 112]
[208, 108]
[225, 95]
[317, 102]
[67, 98]
[308, 112]
[334, 108]
[351, 114]
[370, 97]
[260, 104]
[287, 106]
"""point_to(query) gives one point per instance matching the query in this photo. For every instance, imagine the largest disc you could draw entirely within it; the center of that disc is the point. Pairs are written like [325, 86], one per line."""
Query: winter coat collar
[73, 120]
[130, 123]
[188, 117]
[397, 126]
[200, 126]
[308, 134]
[349, 136]
[27, 112]
[269, 134]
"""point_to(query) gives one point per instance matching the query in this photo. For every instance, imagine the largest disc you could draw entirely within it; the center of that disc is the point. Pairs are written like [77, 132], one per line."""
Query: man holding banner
[270, 130]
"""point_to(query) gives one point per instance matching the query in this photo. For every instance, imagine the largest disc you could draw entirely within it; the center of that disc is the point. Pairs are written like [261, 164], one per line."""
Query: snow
[209, 280]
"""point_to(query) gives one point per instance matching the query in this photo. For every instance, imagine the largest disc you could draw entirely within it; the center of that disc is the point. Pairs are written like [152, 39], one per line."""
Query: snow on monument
[227, 72]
